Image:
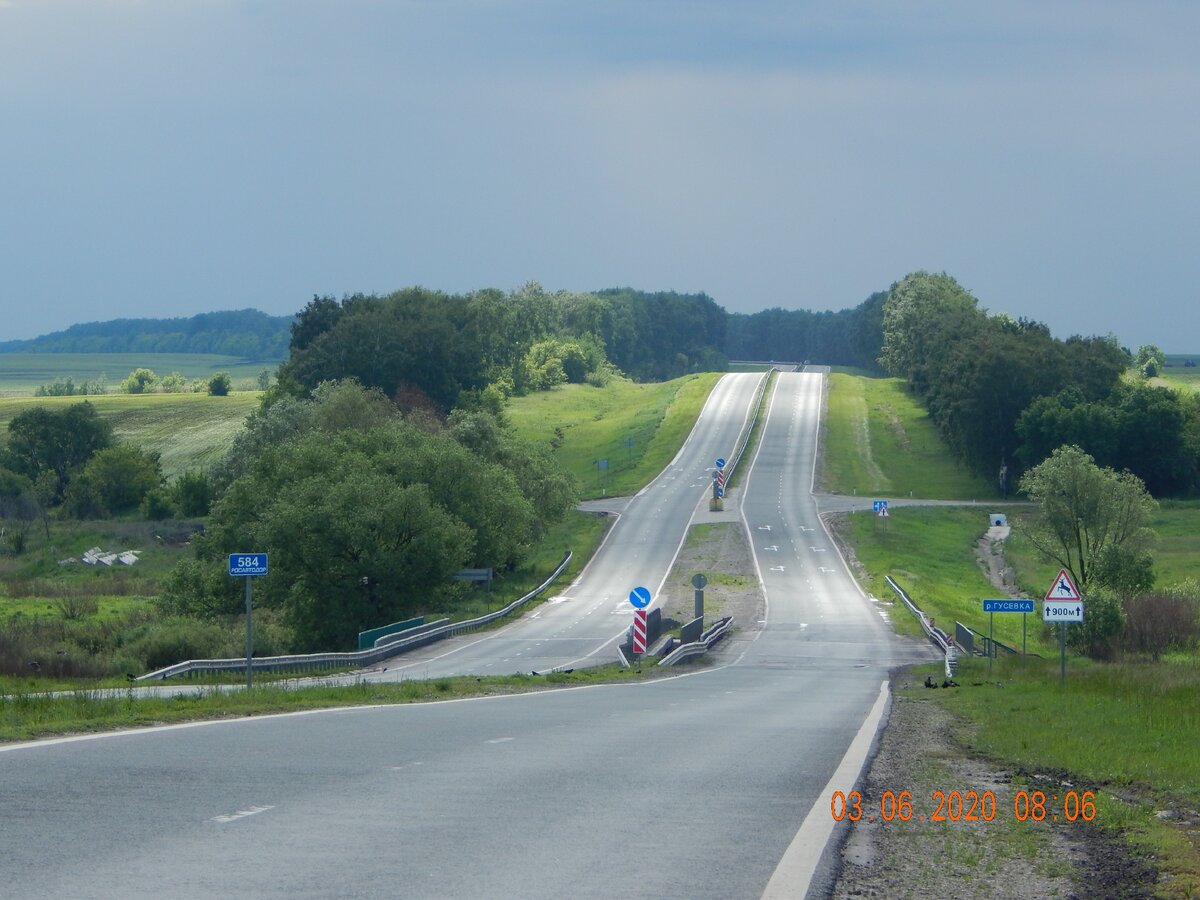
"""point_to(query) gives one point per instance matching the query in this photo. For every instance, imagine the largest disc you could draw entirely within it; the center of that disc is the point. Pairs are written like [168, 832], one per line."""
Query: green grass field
[22, 373]
[878, 441]
[590, 424]
[930, 552]
[190, 431]
[1126, 731]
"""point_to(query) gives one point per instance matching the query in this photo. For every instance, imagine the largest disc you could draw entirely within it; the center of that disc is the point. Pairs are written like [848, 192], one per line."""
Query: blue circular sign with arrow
[639, 597]
[720, 462]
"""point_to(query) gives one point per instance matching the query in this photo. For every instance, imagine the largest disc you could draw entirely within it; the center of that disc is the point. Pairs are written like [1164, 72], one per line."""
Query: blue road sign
[247, 564]
[879, 507]
[720, 462]
[639, 597]
[720, 492]
[1021, 606]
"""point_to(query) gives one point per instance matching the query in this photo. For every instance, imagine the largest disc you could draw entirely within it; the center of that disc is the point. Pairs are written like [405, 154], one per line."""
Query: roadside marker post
[699, 580]
[639, 597]
[248, 566]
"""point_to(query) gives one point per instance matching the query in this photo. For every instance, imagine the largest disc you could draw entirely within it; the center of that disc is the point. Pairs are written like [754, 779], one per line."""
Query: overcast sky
[169, 157]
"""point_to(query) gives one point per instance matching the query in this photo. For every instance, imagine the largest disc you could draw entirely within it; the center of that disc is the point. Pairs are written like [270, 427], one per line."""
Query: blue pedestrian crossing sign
[247, 564]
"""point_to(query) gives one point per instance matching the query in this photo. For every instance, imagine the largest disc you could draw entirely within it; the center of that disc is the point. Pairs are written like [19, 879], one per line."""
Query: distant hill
[245, 333]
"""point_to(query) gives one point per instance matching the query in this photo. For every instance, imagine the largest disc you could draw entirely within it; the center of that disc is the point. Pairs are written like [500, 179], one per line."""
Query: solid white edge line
[793, 876]
[742, 509]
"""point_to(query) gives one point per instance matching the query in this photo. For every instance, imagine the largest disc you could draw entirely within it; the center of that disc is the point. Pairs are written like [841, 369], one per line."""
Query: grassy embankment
[24, 373]
[658, 417]
[1128, 730]
[637, 428]
[879, 442]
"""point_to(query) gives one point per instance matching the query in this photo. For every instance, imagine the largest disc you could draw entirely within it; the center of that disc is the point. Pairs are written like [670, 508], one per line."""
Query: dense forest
[245, 333]
[1005, 394]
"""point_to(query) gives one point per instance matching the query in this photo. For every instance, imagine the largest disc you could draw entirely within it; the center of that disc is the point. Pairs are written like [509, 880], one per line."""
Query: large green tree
[1090, 520]
[365, 526]
[113, 481]
[50, 444]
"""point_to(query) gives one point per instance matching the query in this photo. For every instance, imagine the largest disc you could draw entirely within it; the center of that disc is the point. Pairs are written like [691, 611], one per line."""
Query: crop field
[1177, 375]
[878, 441]
[22, 373]
[190, 431]
[636, 428]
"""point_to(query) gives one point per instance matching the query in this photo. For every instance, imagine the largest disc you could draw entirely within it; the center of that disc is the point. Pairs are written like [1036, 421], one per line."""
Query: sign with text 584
[247, 564]
[1062, 611]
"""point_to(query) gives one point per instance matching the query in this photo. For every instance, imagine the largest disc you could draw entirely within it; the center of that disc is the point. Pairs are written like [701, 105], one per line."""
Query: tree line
[1005, 394]
[244, 333]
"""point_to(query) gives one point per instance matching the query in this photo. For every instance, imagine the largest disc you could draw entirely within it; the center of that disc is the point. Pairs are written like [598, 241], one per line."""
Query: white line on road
[241, 814]
[795, 871]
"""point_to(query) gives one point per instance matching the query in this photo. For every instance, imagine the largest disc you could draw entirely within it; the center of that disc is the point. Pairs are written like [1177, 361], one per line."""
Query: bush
[158, 504]
[200, 590]
[113, 481]
[1098, 636]
[173, 383]
[219, 384]
[14, 538]
[139, 381]
[1158, 622]
[192, 494]
[169, 641]
[63, 388]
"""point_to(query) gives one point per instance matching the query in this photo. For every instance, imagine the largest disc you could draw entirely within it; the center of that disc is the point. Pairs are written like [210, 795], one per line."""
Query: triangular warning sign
[1063, 588]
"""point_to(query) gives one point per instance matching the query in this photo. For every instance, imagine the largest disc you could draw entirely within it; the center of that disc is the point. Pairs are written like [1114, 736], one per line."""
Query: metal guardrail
[685, 651]
[939, 637]
[744, 438]
[307, 662]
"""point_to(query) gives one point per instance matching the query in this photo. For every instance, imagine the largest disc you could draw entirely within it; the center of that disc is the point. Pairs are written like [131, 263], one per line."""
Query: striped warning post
[639, 631]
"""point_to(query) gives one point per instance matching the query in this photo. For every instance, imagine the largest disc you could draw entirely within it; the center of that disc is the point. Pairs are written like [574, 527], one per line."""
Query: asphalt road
[691, 786]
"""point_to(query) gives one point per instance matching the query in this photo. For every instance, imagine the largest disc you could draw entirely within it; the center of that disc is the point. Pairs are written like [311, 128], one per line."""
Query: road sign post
[248, 566]
[1008, 606]
[1063, 604]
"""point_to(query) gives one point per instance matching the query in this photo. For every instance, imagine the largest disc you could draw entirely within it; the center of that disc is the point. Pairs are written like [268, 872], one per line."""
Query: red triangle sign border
[1063, 588]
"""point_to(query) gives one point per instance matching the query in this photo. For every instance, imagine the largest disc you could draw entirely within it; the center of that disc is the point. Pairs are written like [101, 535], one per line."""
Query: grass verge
[29, 716]
[1126, 731]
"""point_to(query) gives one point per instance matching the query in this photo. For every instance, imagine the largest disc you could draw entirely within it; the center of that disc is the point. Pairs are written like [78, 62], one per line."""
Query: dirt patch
[924, 749]
[989, 553]
[721, 553]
